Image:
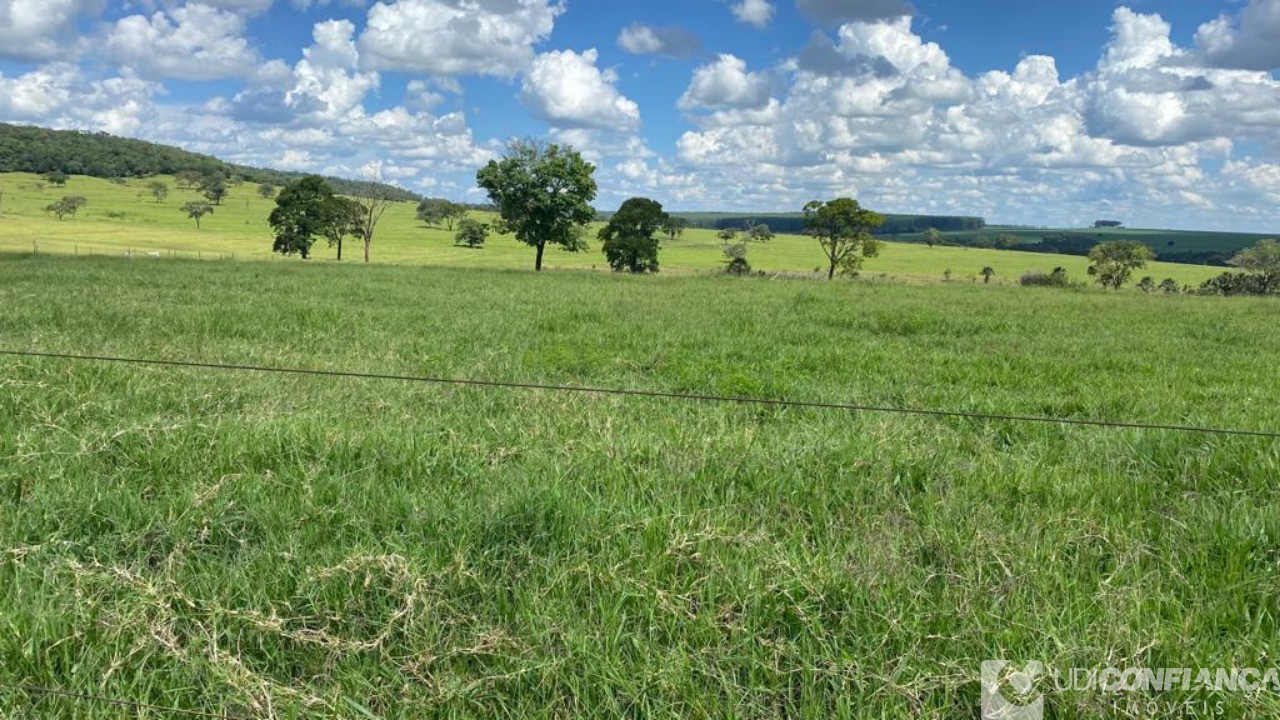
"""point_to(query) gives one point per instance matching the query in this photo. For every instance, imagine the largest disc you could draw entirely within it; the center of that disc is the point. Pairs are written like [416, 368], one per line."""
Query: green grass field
[123, 218]
[293, 547]
[1161, 241]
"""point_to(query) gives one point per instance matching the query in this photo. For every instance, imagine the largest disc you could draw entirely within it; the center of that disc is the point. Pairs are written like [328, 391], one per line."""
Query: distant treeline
[39, 150]
[1068, 244]
[793, 223]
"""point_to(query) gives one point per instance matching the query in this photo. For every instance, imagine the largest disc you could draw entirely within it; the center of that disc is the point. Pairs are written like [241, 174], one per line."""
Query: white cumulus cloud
[457, 37]
[641, 39]
[883, 115]
[1248, 41]
[566, 89]
[192, 42]
[757, 13]
[726, 83]
[38, 29]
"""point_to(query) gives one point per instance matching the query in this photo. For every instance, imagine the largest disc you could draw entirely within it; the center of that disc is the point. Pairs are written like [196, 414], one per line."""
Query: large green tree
[759, 233]
[543, 194]
[343, 219]
[1113, 263]
[1263, 260]
[471, 233]
[630, 240]
[214, 189]
[843, 228]
[69, 205]
[305, 210]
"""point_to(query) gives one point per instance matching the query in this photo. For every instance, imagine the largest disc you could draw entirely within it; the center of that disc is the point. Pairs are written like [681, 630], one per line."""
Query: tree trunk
[367, 243]
[831, 273]
[538, 263]
[339, 249]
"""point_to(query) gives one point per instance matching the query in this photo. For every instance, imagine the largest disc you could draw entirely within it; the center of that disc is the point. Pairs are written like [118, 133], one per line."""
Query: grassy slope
[324, 548]
[239, 227]
[1162, 241]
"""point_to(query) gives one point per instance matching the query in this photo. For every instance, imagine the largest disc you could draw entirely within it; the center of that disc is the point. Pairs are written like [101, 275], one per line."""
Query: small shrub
[1169, 286]
[1147, 284]
[736, 259]
[1058, 278]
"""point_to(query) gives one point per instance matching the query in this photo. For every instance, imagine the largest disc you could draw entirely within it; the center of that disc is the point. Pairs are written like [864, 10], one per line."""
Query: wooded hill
[25, 148]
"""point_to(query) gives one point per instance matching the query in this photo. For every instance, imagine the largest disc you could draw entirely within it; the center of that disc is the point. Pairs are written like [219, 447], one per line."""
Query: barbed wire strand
[39, 690]
[656, 394]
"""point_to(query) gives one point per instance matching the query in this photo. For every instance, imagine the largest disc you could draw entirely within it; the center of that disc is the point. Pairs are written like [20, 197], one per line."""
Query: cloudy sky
[1162, 113]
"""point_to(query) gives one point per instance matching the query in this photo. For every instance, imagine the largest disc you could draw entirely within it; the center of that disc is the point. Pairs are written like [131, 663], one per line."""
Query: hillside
[123, 216]
[31, 149]
[35, 150]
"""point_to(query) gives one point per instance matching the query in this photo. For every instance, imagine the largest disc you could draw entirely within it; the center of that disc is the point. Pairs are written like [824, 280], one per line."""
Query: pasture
[1161, 241]
[283, 546]
[120, 218]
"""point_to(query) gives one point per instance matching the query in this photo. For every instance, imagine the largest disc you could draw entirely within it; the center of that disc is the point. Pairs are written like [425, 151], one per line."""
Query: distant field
[120, 218]
[290, 547]
[1162, 241]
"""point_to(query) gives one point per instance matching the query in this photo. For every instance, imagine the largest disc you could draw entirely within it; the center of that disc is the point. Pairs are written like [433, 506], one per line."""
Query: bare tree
[373, 203]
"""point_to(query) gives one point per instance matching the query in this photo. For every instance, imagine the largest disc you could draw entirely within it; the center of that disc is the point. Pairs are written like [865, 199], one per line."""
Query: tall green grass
[292, 547]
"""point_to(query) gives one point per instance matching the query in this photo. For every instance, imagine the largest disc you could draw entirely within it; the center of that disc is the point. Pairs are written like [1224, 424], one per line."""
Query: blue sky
[1158, 112]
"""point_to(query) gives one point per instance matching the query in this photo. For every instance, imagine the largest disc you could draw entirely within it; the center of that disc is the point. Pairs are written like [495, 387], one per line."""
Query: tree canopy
[159, 190]
[369, 207]
[344, 220]
[435, 211]
[674, 227]
[69, 205]
[1113, 263]
[197, 209]
[843, 228]
[630, 240]
[471, 233]
[759, 233]
[305, 210]
[38, 150]
[214, 189]
[1262, 259]
[543, 194]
